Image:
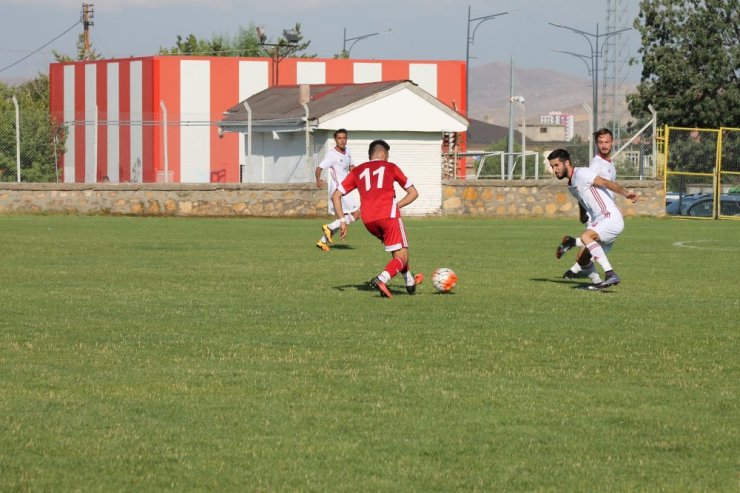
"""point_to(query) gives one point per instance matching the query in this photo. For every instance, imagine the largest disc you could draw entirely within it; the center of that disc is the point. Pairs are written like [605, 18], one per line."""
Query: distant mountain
[544, 91]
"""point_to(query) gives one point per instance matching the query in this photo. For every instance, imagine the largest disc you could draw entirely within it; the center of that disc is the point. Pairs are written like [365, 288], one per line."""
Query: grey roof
[481, 133]
[280, 105]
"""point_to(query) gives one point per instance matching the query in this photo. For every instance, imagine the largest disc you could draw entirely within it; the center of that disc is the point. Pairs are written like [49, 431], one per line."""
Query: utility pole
[88, 11]
[470, 38]
[510, 139]
[596, 51]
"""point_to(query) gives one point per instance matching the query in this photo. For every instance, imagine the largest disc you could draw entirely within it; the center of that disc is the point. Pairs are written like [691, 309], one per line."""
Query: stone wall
[157, 199]
[538, 198]
[495, 198]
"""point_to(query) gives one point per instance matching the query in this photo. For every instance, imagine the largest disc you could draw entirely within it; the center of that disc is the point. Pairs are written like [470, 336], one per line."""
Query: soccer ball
[444, 279]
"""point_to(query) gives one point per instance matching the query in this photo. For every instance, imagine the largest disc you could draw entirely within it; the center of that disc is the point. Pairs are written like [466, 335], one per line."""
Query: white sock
[576, 268]
[384, 277]
[590, 271]
[597, 253]
[323, 239]
[579, 243]
[334, 225]
[409, 278]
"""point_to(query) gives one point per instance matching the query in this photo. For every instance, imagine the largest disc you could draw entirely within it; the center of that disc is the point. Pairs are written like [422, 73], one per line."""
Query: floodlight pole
[470, 38]
[346, 51]
[594, 66]
[291, 38]
[520, 100]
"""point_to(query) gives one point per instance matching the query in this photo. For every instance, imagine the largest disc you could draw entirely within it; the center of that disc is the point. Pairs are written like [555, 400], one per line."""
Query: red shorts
[391, 232]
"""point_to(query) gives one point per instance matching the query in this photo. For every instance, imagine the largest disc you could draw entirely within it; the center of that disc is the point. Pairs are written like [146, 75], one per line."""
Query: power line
[40, 48]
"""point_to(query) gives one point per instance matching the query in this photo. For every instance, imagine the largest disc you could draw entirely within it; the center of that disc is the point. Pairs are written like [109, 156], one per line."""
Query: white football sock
[334, 225]
[594, 276]
[590, 271]
[409, 278]
[384, 277]
[597, 253]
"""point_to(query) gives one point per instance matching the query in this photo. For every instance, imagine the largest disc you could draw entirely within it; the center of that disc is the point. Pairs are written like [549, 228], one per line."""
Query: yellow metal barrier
[728, 173]
[701, 171]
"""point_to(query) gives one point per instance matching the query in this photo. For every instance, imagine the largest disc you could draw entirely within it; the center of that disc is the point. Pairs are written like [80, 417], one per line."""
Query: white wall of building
[195, 149]
[419, 156]
[279, 160]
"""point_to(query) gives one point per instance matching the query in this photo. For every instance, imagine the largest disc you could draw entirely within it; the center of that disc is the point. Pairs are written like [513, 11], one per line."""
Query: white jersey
[337, 166]
[598, 203]
[605, 169]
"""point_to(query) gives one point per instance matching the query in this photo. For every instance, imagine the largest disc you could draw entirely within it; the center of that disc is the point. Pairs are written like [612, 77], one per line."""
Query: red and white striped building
[114, 110]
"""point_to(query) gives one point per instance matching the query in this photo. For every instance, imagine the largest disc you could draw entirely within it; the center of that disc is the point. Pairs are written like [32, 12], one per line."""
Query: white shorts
[349, 203]
[608, 229]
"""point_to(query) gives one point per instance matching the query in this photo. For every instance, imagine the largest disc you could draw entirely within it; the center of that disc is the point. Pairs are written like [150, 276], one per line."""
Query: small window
[543, 130]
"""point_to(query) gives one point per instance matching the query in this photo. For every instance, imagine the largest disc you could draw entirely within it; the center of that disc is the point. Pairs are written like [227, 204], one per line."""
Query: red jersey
[374, 181]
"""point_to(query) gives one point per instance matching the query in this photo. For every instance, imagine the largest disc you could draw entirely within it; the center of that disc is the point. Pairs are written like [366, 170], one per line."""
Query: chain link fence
[42, 143]
[121, 147]
[634, 153]
[702, 172]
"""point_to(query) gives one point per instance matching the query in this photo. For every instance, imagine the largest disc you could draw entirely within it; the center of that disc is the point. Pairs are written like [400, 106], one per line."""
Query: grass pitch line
[688, 244]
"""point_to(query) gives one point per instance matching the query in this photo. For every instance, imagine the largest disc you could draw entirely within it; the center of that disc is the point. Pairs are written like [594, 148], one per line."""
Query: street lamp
[594, 65]
[345, 50]
[584, 58]
[291, 37]
[470, 39]
[520, 100]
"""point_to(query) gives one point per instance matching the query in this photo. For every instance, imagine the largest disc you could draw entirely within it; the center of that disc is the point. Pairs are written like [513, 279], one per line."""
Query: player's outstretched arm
[603, 182]
[336, 199]
[411, 195]
[319, 181]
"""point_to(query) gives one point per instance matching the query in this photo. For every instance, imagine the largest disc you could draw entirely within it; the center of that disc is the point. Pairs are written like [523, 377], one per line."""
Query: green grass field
[143, 354]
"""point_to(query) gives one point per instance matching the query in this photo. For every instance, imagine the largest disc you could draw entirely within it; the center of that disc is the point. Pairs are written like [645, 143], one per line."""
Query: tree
[691, 62]
[41, 138]
[80, 45]
[246, 43]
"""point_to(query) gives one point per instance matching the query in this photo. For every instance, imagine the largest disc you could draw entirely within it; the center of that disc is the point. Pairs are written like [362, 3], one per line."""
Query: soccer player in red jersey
[380, 212]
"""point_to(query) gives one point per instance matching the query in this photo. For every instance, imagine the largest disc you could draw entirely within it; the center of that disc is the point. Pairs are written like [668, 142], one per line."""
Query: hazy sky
[420, 29]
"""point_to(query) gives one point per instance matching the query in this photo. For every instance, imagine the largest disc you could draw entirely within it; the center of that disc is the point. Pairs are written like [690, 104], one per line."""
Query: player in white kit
[337, 162]
[605, 221]
[603, 166]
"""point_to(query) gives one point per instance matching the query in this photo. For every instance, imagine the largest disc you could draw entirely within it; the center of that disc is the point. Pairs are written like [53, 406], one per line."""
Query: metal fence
[94, 147]
[139, 148]
[634, 154]
[508, 166]
[702, 172]
[41, 145]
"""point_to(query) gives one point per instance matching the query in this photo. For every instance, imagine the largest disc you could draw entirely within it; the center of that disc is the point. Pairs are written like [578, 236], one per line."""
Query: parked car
[676, 201]
[700, 205]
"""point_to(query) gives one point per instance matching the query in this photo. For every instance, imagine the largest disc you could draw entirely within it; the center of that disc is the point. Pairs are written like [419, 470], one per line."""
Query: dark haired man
[381, 214]
[337, 162]
[605, 221]
[603, 166]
